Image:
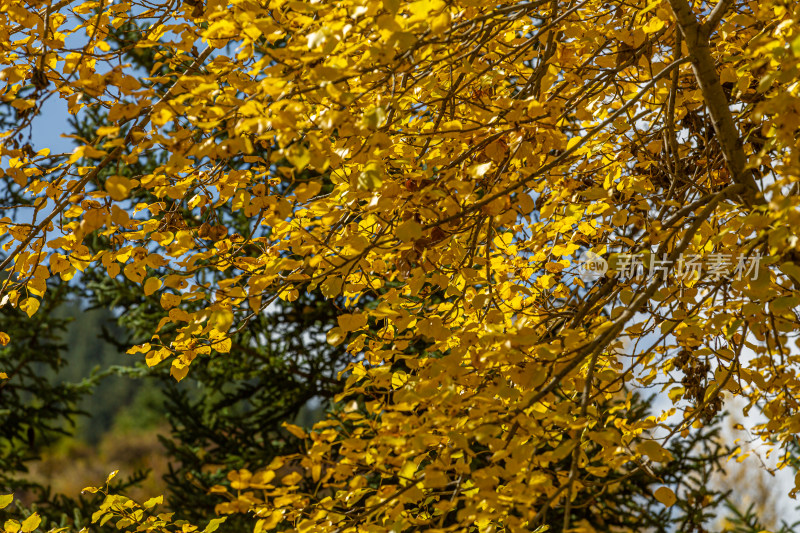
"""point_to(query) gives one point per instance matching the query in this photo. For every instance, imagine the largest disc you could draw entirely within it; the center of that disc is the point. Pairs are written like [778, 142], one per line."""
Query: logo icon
[591, 266]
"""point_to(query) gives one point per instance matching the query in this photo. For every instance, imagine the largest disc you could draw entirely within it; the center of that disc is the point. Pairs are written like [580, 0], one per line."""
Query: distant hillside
[89, 352]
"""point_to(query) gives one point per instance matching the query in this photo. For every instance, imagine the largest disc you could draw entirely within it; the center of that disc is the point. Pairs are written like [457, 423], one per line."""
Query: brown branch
[716, 16]
[698, 46]
[600, 342]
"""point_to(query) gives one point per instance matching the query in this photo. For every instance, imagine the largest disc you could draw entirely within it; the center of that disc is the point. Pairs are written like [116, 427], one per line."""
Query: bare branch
[716, 16]
[717, 103]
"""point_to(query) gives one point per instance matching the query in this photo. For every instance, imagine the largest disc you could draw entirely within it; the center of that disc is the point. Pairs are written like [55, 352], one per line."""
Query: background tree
[228, 414]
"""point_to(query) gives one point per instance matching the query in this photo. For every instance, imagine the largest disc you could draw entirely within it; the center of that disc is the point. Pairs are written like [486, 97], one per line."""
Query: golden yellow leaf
[178, 370]
[269, 523]
[653, 25]
[151, 285]
[408, 231]
[214, 524]
[352, 322]
[335, 336]
[119, 187]
[221, 320]
[295, 430]
[665, 496]
[169, 300]
[30, 306]
[291, 479]
[298, 156]
[223, 345]
[134, 272]
[31, 523]
[5, 500]
[654, 450]
[152, 502]
[332, 287]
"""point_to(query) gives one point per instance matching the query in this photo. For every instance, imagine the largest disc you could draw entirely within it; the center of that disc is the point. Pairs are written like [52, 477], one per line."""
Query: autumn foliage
[435, 170]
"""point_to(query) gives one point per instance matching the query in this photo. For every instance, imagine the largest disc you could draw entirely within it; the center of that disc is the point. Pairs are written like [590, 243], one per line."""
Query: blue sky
[50, 124]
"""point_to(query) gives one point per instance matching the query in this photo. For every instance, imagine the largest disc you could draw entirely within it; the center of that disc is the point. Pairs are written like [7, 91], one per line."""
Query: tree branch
[716, 16]
[705, 73]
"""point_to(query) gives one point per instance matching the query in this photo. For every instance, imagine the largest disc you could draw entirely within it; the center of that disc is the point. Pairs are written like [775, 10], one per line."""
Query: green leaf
[214, 524]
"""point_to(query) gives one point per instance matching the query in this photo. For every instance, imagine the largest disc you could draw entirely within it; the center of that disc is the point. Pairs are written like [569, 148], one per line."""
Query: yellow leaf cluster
[437, 171]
